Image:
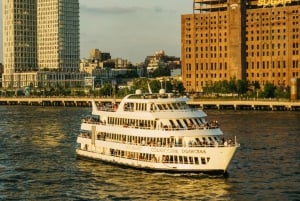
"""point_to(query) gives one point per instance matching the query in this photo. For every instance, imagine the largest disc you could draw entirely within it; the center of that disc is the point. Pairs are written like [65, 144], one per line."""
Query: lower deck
[149, 169]
[167, 159]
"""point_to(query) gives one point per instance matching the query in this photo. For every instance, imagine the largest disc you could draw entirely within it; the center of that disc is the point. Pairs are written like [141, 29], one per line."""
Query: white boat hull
[219, 158]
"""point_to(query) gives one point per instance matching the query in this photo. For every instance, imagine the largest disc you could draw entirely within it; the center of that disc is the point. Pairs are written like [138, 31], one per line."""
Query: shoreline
[265, 105]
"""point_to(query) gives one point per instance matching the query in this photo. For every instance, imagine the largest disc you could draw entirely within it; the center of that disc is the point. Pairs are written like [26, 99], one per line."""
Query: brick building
[256, 40]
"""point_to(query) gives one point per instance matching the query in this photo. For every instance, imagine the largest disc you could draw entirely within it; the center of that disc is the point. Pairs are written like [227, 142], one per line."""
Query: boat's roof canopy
[155, 97]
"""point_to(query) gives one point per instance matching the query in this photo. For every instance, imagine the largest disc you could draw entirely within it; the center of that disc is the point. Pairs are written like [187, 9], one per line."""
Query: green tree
[123, 92]
[140, 83]
[269, 90]
[242, 86]
[256, 85]
[282, 92]
[232, 86]
[106, 90]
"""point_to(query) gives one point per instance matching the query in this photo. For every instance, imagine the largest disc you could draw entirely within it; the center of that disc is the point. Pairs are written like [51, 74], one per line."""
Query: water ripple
[38, 161]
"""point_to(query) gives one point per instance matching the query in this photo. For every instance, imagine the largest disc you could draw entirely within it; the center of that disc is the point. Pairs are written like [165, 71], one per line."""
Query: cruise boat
[155, 131]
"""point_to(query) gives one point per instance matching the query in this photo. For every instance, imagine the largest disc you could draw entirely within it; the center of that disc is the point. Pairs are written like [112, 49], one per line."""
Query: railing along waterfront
[220, 104]
[249, 104]
[54, 101]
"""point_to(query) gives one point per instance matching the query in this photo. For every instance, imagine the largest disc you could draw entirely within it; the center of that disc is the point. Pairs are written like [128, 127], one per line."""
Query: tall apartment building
[39, 36]
[256, 40]
[19, 36]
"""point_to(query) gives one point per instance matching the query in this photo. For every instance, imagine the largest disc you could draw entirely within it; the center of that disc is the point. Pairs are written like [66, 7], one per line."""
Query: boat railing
[163, 128]
[185, 109]
[113, 107]
[222, 143]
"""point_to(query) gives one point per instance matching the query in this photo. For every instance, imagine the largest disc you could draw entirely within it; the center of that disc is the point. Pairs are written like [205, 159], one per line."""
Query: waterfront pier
[54, 101]
[247, 104]
[197, 103]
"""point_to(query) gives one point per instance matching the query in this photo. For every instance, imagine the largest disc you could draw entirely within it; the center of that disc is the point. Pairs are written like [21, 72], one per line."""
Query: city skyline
[131, 30]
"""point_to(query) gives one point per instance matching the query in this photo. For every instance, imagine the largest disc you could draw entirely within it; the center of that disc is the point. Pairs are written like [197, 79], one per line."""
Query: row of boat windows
[160, 159]
[191, 123]
[157, 142]
[130, 106]
[171, 124]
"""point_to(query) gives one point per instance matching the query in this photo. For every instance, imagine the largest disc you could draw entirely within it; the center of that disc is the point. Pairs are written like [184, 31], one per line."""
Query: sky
[129, 29]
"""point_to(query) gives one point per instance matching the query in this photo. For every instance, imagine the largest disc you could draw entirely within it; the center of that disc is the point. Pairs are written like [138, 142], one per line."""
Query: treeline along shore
[218, 104]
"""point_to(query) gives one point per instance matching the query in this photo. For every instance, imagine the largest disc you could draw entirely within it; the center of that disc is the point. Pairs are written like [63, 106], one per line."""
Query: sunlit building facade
[255, 40]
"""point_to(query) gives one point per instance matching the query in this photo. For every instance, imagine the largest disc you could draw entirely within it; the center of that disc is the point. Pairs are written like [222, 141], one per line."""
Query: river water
[38, 161]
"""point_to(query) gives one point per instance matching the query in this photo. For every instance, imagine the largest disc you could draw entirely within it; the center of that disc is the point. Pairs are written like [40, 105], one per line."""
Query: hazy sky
[130, 29]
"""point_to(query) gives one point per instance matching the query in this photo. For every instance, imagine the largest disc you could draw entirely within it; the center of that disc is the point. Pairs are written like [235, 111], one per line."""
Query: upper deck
[149, 106]
[162, 111]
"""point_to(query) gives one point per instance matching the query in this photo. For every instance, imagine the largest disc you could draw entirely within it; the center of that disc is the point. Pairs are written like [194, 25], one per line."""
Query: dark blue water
[38, 161]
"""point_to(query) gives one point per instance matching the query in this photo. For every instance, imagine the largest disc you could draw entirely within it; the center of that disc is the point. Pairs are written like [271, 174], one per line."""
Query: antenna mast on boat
[149, 88]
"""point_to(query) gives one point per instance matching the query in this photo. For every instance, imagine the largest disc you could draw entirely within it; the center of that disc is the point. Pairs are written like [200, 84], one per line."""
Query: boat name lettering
[193, 151]
[163, 150]
[132, 148]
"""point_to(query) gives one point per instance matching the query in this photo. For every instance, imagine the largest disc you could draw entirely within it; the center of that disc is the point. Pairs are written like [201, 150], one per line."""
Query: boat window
[182, 105]
[198, 121]
[170, 106]
[203, 160]
[179, 123]
[191, 160]
[165, 158]
[175, 159]
[152, 106]
[179, 143]
[141, 106]
[164, 106]
[171, 159]
[185, 160]
[180, 159]
[191, 124]
[196, 160]
[175, 106]
[195, 122]
[159, 107]
[172, 123]
[186, 123]
[178, 106]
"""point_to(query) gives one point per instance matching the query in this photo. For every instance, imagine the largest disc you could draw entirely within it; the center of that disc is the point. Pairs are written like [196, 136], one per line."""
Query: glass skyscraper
[39, 35]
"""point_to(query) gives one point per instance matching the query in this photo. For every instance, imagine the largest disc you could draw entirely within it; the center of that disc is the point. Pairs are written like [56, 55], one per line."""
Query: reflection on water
[121, 183]
[38, 161]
